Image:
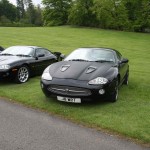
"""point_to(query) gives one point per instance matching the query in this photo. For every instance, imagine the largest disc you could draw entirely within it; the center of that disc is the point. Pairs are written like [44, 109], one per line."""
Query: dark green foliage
[130, 15]
[111, 14]
[24, 14]
[30, 12]
[138, 14]
[143, 19]
[56, 12]
[7, 11]
[38, 16]
[81, 13]
[20, 9]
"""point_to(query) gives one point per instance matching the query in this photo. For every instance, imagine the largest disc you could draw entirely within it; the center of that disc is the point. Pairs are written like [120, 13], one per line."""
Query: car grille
[69, 91]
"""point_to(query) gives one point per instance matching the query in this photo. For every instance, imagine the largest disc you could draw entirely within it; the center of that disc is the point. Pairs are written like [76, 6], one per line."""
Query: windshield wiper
[101, 61]
[78, 60]
[22, 55]
[6, 54]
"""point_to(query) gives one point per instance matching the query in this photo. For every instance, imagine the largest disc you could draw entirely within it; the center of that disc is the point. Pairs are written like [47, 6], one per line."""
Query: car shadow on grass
[6, 82]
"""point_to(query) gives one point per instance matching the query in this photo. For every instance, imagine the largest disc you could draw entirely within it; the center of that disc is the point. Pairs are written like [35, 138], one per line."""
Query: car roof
[27, 46]
[98, 48]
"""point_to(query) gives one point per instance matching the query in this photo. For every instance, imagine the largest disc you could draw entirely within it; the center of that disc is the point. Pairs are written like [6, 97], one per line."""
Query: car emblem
[64, 67]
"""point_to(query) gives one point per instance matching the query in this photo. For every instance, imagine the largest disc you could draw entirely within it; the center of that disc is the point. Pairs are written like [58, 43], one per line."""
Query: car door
[122, 65]
[43, 59]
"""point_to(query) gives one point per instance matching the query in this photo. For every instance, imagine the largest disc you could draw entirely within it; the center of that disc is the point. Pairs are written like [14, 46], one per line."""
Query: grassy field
[129, 116]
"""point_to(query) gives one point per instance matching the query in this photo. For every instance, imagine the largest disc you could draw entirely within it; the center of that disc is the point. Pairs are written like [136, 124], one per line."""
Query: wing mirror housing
[62, 56]
[41, 55]
[124, 60]
[1, 49]
[59, 56]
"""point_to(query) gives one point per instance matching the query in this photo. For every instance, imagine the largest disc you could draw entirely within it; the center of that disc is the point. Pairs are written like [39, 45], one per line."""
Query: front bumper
[5, 74]
[77, 89]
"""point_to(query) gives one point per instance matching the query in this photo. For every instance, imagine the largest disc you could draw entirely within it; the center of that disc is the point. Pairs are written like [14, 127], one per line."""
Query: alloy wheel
[23, 74]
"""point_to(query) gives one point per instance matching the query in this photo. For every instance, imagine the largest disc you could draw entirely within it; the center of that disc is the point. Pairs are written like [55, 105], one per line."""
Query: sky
[34, 1]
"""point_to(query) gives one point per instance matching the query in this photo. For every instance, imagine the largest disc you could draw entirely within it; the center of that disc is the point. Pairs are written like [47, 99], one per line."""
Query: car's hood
[79, 70]
[10, 59]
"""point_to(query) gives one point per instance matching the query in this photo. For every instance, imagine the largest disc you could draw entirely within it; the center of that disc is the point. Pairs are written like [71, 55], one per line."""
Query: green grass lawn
[129, 116]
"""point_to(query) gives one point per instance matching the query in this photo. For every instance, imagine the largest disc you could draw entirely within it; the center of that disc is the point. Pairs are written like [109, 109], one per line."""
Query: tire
[126, 80]
[23, 74]
[113, 97]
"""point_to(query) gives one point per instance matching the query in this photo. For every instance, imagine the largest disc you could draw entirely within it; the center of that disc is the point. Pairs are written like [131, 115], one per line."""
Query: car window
[91, 55]
[43, 51]
[47, 52]
[17, 50]
[39, 51]
[119, 56]
[102, 55]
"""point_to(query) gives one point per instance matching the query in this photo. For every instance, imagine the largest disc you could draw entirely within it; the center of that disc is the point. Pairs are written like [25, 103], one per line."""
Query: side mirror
[62, 56]
[59, 56]
[124, 60]
[41, 55]
[1, 48]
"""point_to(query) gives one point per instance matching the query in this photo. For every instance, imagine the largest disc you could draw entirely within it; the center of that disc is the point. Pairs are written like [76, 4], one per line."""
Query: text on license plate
[69, 99]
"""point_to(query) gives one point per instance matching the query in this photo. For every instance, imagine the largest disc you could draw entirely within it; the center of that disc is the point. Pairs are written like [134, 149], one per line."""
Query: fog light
[101, 91]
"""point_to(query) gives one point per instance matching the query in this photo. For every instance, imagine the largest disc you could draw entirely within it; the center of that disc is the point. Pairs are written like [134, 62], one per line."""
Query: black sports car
[21, 62]
[86, 74]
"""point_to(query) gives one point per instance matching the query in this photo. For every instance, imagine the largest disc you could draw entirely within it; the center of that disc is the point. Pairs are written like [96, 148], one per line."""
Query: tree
[20, 9]
[38, 16]
[56, 12]
[138, 14]
[111, 14]
[81, 13]
[144, 18]
[30, 11]
[7, 10]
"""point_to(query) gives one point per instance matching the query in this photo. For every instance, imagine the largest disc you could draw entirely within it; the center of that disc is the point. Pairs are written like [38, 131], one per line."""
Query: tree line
[23, 14]
[129, 15]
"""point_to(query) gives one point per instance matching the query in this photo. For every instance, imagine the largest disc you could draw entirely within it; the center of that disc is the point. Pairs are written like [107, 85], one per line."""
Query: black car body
[1, 49]
[86, 74]
[21, 62]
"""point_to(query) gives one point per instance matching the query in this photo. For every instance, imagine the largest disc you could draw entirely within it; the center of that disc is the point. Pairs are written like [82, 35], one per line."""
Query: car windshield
[91, 54]
[19, 50]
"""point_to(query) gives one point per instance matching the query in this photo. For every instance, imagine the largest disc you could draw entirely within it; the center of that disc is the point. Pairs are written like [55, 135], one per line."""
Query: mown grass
[130, 116]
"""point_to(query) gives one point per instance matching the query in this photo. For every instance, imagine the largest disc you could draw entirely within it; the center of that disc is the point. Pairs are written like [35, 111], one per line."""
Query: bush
[137, 28]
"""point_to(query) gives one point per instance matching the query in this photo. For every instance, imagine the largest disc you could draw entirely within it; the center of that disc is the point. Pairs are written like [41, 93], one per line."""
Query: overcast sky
[34, 1]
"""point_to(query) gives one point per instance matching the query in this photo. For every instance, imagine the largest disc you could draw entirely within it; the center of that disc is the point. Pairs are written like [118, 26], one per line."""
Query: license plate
[69, 99]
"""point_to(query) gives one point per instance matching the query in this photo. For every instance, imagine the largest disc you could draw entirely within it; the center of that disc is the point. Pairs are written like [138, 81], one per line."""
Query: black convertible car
[21, 62]
[86, 74]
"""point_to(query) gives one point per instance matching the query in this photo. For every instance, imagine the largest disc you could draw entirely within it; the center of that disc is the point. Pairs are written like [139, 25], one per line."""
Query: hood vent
[64, 68]
[90, 69]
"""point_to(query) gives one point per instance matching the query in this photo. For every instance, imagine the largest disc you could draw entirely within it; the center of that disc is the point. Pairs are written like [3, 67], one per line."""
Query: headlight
[4, 67]
[98, 80]
[46, 74]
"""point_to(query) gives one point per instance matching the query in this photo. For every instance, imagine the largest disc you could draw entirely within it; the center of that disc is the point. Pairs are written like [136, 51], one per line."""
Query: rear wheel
[22, 74]
[113, 97]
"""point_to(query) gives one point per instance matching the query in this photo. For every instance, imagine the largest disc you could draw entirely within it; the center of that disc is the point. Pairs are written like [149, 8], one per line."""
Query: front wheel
[22, 74]
[113, 97]
[126, 80]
